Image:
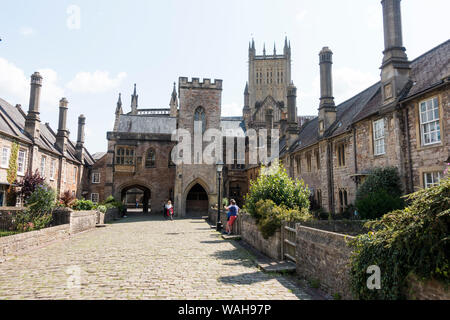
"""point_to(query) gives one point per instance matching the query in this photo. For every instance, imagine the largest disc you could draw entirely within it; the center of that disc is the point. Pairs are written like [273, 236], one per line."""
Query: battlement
[195, 83]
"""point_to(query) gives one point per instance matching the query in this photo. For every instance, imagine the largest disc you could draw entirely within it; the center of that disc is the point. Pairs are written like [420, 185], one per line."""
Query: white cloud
[27, 31]
[95, 82]
[231, 109]
[15, 86]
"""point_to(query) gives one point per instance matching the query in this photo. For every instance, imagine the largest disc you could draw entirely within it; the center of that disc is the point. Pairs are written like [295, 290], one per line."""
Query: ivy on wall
[11, 174]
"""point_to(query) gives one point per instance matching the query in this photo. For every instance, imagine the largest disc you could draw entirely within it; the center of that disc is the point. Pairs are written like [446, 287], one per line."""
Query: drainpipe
[408, 141]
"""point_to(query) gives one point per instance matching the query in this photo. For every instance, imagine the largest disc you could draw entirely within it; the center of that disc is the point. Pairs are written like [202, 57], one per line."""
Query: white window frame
[429, 120]
[52, 169]
[431, 179]
[43, 164]
[379, 146]
[75, 171]
[92, 197]
[22, 162]
[94, 174]
[6, 157]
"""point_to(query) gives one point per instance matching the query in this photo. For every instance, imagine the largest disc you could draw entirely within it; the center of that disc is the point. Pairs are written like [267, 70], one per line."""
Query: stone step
[277, 266]
[231, 237]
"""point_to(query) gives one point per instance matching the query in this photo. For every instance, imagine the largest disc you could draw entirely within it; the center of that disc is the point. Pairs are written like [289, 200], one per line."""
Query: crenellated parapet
[197, 84]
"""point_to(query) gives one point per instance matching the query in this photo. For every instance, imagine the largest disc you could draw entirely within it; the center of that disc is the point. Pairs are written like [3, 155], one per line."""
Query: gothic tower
[268, 79]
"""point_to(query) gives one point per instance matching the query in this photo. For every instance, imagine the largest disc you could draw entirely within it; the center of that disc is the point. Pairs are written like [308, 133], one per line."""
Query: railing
[288, 241]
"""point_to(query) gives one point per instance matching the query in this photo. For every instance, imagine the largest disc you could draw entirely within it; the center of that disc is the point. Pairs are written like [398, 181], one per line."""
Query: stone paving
[143, 258]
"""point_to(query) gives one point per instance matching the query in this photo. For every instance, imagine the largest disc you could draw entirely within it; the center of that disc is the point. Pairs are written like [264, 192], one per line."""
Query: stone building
[63, 163]
[401, 121]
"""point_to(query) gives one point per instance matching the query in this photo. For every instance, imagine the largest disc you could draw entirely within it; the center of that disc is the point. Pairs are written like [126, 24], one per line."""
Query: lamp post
[219, 166]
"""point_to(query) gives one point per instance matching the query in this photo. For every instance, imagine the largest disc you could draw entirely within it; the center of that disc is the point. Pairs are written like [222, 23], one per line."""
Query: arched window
[150, 159]
[200, 115]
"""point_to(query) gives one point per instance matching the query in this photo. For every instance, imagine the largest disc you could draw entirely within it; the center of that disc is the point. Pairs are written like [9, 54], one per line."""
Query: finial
[119, 102]
[274, 49]
[264, 49]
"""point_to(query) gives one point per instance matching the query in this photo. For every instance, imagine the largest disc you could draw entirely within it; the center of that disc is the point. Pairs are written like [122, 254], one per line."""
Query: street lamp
[219, 166]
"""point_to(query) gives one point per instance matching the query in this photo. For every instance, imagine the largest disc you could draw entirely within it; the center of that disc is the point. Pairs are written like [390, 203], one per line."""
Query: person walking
[165, 209]
[233, 211]
[169, 209]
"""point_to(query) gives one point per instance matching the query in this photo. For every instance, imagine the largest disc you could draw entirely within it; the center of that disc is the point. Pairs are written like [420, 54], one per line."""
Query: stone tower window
[150, 160]
[125, 156]
[200, 115]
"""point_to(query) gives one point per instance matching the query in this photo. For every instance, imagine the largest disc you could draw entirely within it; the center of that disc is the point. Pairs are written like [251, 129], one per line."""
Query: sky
[89, 51]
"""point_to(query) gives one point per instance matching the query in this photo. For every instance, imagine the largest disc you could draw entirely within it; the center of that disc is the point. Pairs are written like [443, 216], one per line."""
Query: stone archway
[142, 197]
[197, 202]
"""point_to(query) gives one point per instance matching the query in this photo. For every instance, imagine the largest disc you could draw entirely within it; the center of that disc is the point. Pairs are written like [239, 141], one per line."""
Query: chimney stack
[395, 67]
[32, 120]
[80, 138]
[63, 133]
[134, 102]
[292, 124]
[327, 108]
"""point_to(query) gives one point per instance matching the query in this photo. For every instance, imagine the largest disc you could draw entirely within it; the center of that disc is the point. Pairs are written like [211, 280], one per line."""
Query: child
[169, 209]
[232, 214]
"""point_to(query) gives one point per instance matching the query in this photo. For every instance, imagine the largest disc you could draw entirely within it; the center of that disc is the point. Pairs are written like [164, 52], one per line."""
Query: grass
[8, 233]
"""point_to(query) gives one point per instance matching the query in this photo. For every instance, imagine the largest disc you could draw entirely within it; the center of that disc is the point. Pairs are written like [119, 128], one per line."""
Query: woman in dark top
[233, 211]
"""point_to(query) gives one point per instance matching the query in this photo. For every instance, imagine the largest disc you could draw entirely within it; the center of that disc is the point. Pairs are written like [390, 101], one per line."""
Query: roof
[147, 124]
[98, 155]
[427, 71]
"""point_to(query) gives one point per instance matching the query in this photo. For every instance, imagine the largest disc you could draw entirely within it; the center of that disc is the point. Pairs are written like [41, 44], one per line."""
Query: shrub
[68, 199]
[81, 205]
[271, 216]
[11, 175]
[276, 185]
[42, 200]
[378, 203]
[102, 208]
[380, 193]
[38, 212]
[409, 241]
[29, 183]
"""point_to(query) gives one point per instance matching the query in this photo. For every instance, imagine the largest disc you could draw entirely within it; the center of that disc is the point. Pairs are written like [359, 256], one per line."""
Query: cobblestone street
[143, 258]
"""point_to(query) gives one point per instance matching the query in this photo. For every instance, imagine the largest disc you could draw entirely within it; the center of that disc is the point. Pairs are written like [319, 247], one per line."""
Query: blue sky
[152, 43]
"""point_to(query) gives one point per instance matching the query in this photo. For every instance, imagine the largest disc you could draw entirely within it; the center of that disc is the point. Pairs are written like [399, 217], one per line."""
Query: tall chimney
[327, 108]
[63, 133]
[80, 138]
[395, 67]
[292, 124]
[32, 120]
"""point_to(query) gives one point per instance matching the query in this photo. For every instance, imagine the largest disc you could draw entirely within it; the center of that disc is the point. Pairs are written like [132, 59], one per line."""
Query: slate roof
[12, 122]
[147, 124]
[427, 71]
[98, 155]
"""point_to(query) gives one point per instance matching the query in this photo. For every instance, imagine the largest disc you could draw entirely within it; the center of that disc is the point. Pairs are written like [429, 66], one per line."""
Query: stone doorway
[136, 194]
[197, 202]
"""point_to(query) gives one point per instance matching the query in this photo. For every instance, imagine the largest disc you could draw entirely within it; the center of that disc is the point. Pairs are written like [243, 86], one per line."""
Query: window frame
[125, 156]
[43, 165]
[152, 162]
[427, 185]
[24, 162]
[52, 169]
[8, 157]
[94, 174]
[92, 197]
[436, 121]
[378, 139]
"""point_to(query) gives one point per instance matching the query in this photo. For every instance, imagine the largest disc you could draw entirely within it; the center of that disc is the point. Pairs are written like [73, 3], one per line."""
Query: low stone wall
[349, 227]
[324, 256]
[426, 290]
[250, 233]
[111, 215]
[61, 216]
[29, 240]
[82, 220]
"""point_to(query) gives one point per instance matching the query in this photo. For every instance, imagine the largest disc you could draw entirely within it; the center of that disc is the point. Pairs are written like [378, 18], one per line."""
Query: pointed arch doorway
[197, 202]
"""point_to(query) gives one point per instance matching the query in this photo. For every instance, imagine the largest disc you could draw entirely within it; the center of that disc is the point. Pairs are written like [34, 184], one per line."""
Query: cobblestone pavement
[140, 258]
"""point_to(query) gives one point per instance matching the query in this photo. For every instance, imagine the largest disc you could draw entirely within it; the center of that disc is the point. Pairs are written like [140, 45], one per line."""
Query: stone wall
[249, 233]
[61, 216]
[82, 220]
[348, 227]
[426, 290]
[27, 241]
[324, 256]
